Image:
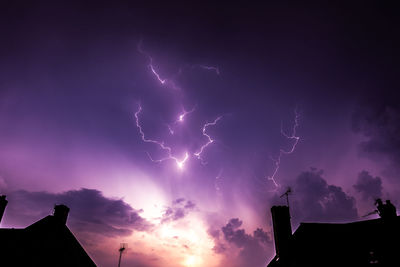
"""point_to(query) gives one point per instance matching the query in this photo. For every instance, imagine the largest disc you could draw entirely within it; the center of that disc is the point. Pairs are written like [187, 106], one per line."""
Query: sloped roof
[359, 243]
[44, 243]
[354, 231]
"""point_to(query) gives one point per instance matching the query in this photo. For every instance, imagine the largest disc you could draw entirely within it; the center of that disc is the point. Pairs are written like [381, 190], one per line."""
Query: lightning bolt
[183, 115]
[169, 82]
[162, 81]
[292, 136]
[210, 68]
[179, 162]
[180, 118]
[209, 139]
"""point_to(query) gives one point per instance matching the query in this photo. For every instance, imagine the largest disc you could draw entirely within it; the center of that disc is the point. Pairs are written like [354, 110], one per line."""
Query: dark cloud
[370, 187]
[378, 120]
[189, 205]
[261, 236]
[178, 200]
[90, 211]
[179, 209]
[233, 234]
[253, 249]
[315, 200]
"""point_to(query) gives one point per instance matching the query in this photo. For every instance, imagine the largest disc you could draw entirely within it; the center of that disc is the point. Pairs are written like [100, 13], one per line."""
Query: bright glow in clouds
[181, 243]
[180, 163]
[192, 237]
[175, 243]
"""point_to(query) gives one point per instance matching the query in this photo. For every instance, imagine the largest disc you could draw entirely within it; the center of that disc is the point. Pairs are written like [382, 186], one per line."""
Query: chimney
[282, 231]
[3, 204]
[61, 213]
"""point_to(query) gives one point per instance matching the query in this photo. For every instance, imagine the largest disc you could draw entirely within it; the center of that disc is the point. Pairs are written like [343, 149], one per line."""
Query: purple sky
[73, 76]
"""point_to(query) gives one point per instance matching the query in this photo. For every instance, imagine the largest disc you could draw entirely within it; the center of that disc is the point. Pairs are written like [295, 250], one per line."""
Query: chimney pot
[3, 204]
[282, 231]
[61, 213]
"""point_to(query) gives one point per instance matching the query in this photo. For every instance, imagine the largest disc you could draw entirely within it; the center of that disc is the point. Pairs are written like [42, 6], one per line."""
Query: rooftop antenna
[369, 213]
[288, 191]
[121, 249]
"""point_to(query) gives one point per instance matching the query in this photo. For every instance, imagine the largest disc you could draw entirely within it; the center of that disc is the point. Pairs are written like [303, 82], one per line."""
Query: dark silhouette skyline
[47, 242]
[358, 244]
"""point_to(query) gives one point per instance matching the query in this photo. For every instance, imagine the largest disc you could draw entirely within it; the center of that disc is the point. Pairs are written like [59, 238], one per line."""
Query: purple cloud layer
[90, 211]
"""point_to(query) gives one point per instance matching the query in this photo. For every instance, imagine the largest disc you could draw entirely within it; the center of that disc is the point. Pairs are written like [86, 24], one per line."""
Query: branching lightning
[179, 162]
[292, 136]
[209, 139]
[184, 113]
[169, 82]
[180, 117]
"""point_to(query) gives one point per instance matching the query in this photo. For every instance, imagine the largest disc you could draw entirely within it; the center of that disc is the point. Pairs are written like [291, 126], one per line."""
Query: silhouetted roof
[44, 243]
[355, 231]
[362, 243]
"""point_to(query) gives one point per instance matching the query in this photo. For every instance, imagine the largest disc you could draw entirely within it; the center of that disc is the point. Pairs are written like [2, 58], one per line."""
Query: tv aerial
[288, 191]
[122, 248]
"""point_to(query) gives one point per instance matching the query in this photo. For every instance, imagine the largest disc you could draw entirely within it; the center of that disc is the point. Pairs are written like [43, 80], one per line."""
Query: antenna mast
[288, 191]
[121, 249]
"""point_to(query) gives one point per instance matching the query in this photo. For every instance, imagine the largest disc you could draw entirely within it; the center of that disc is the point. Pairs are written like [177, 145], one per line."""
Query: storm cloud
[179, 209]
[368, 186]
[378, 120]
[90, 211]
[316, 200]
[253, 248]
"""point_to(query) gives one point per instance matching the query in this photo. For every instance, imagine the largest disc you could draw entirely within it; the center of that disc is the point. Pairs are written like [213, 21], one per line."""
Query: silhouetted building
[358, 244]
[47, 242]
[3, 204]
